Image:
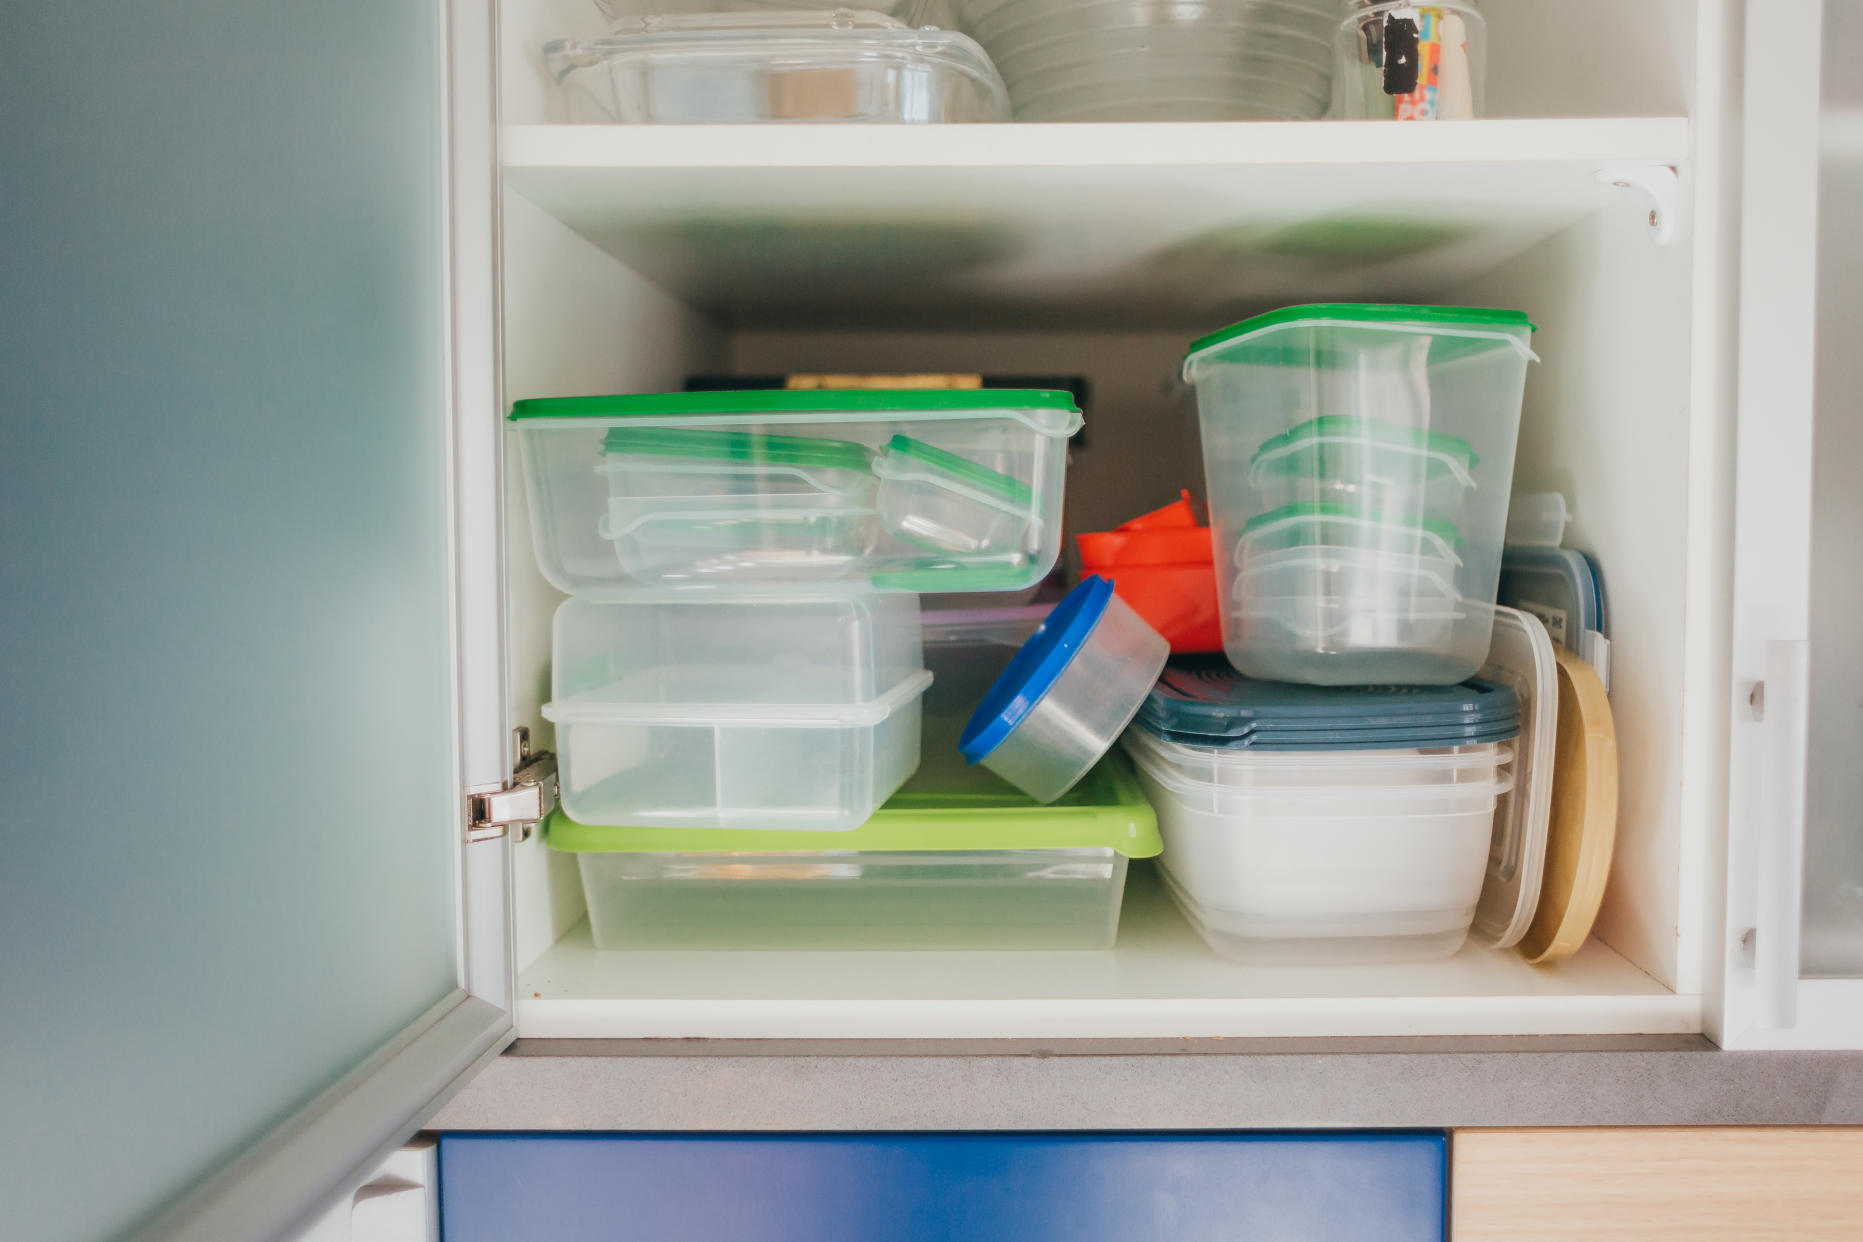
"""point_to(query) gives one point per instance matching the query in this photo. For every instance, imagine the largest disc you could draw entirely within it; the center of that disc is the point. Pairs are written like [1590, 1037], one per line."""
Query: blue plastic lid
[1206, 697]
[1428, 738]
[1035, 667]
[1557, 585]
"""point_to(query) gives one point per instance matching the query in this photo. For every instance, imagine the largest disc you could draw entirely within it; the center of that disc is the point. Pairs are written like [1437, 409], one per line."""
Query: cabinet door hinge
[518, 804]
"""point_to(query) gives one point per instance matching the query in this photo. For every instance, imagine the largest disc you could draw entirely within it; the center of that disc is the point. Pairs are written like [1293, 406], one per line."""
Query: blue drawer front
[944, 1188]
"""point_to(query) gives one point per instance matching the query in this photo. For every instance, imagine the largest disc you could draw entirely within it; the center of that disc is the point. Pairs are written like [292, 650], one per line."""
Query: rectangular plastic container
[1358, 461]
[1335, 860]
[737, 68]
[692, 710]
[931, 870]
[934, 490]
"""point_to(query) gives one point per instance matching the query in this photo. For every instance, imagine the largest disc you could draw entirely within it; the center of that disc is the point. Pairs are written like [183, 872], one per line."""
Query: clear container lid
[1558, 586]
[1466, 330]
[1106, 810]
[1537, 520]
[1521, 657]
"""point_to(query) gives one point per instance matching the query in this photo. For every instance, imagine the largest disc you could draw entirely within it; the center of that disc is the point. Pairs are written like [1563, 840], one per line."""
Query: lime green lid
[794, 401]
[1106, 810]
[962, 470]
[1374, 430]
[1445, 531]
[1478, 317]
[717, 444]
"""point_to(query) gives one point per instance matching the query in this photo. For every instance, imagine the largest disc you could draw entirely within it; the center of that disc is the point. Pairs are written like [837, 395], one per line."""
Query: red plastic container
[1161, 564]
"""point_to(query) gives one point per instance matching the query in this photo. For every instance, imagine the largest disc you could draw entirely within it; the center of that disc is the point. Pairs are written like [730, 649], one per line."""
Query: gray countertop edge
[1205, 1084]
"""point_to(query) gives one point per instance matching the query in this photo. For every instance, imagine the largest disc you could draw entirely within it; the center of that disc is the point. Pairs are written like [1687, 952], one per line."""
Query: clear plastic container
[1364, 600]
[1067, 695]
[732, 68]
[1396, 60]
[765, 487]
[1111, 60]
[1324, 771]
[1360, 873]
[941, 502]
[693, 710]
[930, 870]
[1537, 520]
[1367, 466]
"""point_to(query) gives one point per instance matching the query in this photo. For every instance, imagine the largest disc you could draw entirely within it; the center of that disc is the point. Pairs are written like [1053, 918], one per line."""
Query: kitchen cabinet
[273, 619]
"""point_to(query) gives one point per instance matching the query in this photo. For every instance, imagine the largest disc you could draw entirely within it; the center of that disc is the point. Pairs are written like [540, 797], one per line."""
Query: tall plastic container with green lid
[924, 490]
[1358, 460]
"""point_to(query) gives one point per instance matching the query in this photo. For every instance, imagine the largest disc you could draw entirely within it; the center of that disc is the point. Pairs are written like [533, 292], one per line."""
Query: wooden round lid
[1583, 829]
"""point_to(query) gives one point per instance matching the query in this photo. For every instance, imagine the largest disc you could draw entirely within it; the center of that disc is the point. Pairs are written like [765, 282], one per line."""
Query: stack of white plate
[1159, 60]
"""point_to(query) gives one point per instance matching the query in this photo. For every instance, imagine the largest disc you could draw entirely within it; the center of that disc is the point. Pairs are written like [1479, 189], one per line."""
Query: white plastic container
[1364, 604]
[735, 68]
[792, 711]
[780, 486]
[1333, 871]
[1067, 695]
[1302, 771]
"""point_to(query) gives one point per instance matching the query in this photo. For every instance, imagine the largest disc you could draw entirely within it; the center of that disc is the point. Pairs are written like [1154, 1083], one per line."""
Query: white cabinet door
[1794, 942]
[250, 629]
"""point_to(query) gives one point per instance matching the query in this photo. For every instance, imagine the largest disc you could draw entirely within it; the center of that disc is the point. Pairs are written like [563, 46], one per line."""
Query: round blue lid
[1035, 668]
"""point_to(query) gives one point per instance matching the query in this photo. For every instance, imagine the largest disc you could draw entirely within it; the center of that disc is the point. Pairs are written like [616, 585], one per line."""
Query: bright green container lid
[797, 402]
[1373, 432]
[1106, 810]
[748, 447]
[1445, 531]
[1479, 328]
[961, 470]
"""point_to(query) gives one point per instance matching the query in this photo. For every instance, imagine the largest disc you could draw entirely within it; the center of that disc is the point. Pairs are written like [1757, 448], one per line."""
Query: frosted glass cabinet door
[1793, 971]
[244, 641]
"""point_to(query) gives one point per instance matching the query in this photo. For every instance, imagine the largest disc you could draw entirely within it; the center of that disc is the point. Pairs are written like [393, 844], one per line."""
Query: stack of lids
[1205, 702]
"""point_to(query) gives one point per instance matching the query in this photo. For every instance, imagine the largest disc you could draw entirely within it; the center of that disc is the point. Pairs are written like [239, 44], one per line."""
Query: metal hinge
[518, 804]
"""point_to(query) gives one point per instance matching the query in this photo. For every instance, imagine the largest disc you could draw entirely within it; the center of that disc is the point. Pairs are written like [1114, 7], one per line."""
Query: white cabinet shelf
[1070, 225]
[1160, 981]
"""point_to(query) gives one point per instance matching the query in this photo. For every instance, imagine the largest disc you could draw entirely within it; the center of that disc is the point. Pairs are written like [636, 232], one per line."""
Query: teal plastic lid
[961, 470]
[1376, 431]
[1486, 319]
[1444, 531]
[792, 401]
[1106, 810]
[750, 447]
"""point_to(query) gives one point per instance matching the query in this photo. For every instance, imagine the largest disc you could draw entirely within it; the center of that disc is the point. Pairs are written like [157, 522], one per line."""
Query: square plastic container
[788, 711]
[931, 870]
[1399, 61]
[1333, 860]
[788, 486]
[1392, 588]
[734, 68]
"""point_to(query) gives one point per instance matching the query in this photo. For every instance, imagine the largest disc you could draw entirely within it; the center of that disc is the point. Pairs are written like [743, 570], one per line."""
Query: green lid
[784, 402]
[1426, 317]
[717, 444]
[1374, 430]
[962, 470]
[1106, 810]
[943, 575]
[1445, 531]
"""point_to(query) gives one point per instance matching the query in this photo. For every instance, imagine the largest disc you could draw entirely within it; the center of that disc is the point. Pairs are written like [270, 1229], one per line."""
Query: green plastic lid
[943, 575]
[962, 470]
[1480, 318]
[1106, 810]
[782, 402]
[716, 444]
[1373, 430]
[1445, 531]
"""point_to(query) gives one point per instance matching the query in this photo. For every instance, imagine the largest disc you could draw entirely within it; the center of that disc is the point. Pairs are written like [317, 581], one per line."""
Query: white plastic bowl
[1068, 694]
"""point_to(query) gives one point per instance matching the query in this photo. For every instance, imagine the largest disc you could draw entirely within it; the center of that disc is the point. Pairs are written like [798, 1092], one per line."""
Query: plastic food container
[1159, 60]
[1400, 61]
[966, 650]
[1537, 520]
[1354, 863]
[1380, 591]
[1365, 465]
[942, 502]
[731, 68]
[930, 870]
[693, 710]
[1160, 564]
[780, 486]
[1521, 657]
[1071, 689]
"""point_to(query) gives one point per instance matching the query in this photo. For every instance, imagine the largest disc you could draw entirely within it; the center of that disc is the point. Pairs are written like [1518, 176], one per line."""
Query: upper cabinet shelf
[1070, 225]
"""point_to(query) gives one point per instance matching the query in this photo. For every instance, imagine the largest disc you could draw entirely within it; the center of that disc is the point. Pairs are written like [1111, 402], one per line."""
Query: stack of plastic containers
[1324, 824]
[1159, 60]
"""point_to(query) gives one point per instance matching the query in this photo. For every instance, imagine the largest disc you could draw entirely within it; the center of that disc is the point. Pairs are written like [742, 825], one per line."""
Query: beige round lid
[1583, 826]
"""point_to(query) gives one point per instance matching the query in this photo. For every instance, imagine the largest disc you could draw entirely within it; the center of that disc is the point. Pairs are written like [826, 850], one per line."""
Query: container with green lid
[984, 868]
[755, 487]
[1370, 448]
